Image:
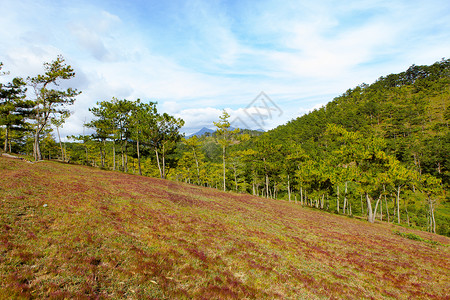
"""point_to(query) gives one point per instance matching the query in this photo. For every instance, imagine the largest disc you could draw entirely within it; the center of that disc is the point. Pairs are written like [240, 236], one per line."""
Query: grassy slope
[73, 231]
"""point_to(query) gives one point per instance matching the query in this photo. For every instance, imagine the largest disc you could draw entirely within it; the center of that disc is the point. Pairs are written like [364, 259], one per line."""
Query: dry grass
[76, 232]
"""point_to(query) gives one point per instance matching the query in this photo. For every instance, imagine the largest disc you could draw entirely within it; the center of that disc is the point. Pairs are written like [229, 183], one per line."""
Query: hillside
[410, 110]
[77, 232]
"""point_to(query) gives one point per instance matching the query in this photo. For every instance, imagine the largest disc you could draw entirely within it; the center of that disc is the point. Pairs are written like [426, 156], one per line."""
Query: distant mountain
[205, 130]
[201, 132]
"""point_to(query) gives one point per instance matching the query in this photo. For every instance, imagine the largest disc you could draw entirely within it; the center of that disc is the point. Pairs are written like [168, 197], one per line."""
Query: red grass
[111, 235]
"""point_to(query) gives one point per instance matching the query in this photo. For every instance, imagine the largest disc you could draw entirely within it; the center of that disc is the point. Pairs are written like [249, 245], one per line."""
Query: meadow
[69, 231]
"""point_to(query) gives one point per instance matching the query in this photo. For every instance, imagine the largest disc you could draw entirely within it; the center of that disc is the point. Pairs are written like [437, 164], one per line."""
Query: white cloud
[199, 57]
[197, 118]
[93, 32]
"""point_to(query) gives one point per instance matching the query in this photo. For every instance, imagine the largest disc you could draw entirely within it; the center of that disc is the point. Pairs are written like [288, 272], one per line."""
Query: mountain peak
[201, 132]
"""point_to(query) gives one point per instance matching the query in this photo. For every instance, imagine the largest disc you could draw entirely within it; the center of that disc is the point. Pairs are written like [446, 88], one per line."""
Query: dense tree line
[378, 151]
[130, 124]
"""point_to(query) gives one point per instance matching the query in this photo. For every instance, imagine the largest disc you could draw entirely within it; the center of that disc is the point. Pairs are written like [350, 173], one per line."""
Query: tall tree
[50, 101]
[224, 134]
[14, 109]
[194, 145]
[58, 122]
[431, 187]
[122, 110]
[163, 137]
[143, 117]
[105, 128]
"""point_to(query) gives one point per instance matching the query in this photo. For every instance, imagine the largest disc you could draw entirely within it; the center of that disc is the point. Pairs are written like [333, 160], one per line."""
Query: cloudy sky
[196, 58]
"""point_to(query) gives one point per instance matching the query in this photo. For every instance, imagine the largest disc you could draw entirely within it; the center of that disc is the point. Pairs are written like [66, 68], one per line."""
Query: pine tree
[14, 109]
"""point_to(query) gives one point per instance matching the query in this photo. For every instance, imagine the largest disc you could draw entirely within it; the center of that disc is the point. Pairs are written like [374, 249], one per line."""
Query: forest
[377, 152]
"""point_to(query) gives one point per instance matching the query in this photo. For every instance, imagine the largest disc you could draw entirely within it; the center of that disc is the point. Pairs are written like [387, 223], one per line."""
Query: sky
[264, 62]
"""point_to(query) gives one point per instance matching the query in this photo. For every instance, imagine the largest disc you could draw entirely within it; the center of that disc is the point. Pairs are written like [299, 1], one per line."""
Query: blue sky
[197, 58]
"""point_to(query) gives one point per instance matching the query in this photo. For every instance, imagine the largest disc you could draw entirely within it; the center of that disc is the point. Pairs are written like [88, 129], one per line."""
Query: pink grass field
[70, 231]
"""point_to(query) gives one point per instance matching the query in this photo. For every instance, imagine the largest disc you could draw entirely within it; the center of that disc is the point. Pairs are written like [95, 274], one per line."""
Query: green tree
[105, 128]
[224, 137]
[14, 109]
[59, 122]
[49, 101]
[432, 188]
[194, 144]
[122, 118]
[400, 177]
[86, 142]
[163, 135]
[143, 118]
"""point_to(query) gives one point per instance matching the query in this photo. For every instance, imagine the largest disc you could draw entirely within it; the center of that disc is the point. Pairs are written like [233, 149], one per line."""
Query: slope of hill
[77, 232]
[410, 110]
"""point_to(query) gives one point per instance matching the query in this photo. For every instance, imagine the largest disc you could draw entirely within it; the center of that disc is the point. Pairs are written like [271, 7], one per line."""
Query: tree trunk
[369, 209]
[6, 140]
[433, 221]
[223, 156]
[345, 198]
[289, 189]
[381, 211]
[235, 176]
[125, 167]
[362, 206]
[103, 151]
[376, 206]
[398, 204]
[387, 208]
[139, 156]
[102, 162]
[114, 155]
[60, 144]
[122, 155]
[274, 190]
[163, 162]
[301, 195]
[157, 161]
[337, 199]
[36, 147]
[198, 169]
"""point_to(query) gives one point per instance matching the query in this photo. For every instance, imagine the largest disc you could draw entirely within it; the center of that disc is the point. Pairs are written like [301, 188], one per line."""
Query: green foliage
[416, 237]
[49, 101]
[14, 110]
[224, 138]
[122, 121]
